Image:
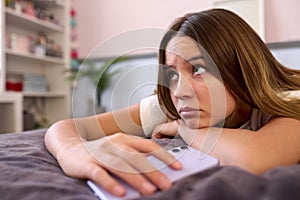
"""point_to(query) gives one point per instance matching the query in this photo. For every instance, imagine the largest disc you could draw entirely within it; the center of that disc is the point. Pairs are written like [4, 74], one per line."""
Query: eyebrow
[188, 60]
[195, 58]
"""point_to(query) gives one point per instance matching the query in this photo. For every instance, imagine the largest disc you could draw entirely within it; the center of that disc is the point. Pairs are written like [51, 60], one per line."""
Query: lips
[187, 111]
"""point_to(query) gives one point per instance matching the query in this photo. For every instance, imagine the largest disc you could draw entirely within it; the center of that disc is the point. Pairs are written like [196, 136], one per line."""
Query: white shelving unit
[11, 105]
[55, 101]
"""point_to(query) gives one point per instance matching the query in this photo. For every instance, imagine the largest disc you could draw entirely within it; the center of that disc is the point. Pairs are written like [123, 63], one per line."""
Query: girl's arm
[275, 144]
[65, 133]
[83, 152]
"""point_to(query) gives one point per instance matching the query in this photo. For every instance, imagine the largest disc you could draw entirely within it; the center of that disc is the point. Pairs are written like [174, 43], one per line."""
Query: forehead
[183, 46]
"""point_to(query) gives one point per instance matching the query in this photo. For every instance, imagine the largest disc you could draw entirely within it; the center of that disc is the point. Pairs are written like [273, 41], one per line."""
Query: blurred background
[53, 51]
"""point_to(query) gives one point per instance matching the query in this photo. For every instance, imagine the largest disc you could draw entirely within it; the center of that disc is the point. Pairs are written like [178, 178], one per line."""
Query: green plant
[99, 75]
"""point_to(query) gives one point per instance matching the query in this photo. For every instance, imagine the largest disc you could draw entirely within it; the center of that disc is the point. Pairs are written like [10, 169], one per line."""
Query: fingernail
[119, 191]
[148, 187]
[178, 165]
[164, 182]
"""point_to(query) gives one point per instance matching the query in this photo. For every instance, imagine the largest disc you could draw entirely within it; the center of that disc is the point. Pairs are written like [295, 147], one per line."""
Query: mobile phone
[193, 161]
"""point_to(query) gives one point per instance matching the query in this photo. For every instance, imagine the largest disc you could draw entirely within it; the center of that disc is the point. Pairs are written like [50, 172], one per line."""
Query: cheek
[175, 101]
[231, 103]
[216, 98]
[203, 95]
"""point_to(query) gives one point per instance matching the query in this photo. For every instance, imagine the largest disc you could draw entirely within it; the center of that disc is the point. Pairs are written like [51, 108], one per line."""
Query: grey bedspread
[28, 171]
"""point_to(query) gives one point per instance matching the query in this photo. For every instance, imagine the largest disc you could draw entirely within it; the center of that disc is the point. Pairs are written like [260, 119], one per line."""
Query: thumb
[166, 129]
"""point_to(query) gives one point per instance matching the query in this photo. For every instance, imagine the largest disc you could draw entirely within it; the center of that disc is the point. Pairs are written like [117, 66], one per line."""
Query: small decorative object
[14, 83]
[74, 54]
[40, 50]
[42, 39]
[18, 43]
[53, 49]
[41, 13]
[72, 12]
[17, 6]
[58, 50]
[29, 9]
[53, 19]
[74, 59]
[40, 46]
[73, 22]
[100, 76]
[73, 35]
[74, 63]
[37, 117]
[14, 86]
[10, 3]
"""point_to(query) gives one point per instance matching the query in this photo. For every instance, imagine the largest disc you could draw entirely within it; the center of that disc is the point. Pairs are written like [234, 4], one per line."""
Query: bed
[28, 171]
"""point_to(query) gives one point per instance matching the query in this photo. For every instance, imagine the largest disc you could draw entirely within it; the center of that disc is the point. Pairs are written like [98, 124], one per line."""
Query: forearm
[66, 133]
[230, 146]
[253, 151]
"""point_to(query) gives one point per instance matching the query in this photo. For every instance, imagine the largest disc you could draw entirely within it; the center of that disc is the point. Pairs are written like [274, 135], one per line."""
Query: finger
[167, 129]
[149, 146]
[100, 176]
[162, 136]
[125, 171]
[144, 166]
[157, 136]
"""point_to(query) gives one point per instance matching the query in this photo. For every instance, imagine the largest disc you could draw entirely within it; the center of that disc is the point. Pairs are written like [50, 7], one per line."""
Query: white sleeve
[151, 114]
[291, 94]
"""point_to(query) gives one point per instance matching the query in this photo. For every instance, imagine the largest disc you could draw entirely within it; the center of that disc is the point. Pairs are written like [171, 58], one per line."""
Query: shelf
[31, 56]
[10, 96]
[44, 94]
[20, 60]
[50, 3]
[33, 23]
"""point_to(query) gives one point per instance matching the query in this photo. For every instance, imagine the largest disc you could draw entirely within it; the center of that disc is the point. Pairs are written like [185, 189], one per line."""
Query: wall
[287, 53]
[99, 20]
[281, 20]
[136, 79]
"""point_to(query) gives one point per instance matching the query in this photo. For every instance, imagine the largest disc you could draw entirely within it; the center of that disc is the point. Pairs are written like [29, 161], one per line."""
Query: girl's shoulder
[151, 114]
[257, 120]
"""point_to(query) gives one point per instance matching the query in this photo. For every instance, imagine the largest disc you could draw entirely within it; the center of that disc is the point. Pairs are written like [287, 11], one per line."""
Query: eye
[198, 70]
[171, 75]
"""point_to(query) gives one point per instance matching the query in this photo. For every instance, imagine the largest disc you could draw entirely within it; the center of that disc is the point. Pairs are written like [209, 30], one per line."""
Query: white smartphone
[192, 160]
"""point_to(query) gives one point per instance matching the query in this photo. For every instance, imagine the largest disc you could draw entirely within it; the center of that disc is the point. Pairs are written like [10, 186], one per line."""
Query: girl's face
[200, 98]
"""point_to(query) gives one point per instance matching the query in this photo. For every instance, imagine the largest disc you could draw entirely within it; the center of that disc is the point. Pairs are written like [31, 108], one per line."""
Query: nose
[183, 89]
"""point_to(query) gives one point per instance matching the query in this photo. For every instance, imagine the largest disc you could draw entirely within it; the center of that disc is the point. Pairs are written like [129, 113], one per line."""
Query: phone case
[193, 161]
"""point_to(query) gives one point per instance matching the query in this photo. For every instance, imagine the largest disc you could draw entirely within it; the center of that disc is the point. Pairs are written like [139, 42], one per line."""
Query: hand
[203, 139]
[166, 130]
[121, 155]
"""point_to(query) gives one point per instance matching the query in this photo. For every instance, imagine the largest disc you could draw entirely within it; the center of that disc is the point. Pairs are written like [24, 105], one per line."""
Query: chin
[192, 123]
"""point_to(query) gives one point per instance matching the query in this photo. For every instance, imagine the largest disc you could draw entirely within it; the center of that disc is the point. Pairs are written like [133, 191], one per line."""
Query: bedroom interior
[42, 39]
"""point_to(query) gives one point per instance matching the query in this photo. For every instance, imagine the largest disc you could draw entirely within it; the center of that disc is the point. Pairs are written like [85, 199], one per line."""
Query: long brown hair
[247, 67]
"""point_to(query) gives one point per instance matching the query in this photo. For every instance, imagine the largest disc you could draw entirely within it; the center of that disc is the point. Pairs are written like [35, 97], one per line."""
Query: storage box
[34, 83]
[19, 43]
[14, 86]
